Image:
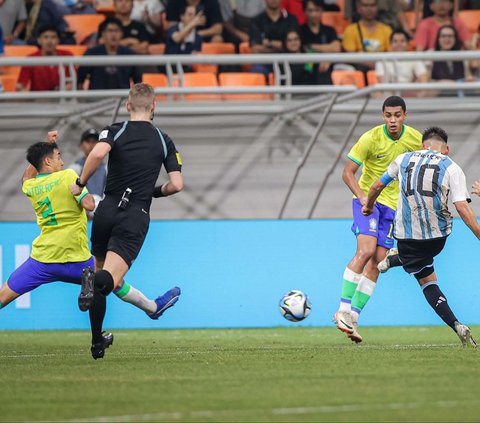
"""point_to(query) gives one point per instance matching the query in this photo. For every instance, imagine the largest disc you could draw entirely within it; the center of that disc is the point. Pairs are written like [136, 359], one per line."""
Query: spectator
[149, 12]
[368, 34]
[135, 35]
[13, 20]
[45, 12]
[422, 8]
[268, 32]
[475, 64]
[404, 70]
[183, 37]
[295, 8]
[427, 29]
[319, 38]
[450, 71]
[302, 73]
[392, 13]
[211, 29]
[96, 183]
[44, 78]
[238, 16]
[110, 32]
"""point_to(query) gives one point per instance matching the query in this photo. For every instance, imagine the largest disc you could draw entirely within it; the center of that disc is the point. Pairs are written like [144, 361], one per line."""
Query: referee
[137, 150]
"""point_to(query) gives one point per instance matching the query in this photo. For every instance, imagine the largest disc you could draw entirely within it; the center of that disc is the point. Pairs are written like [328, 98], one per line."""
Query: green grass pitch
[280, 374]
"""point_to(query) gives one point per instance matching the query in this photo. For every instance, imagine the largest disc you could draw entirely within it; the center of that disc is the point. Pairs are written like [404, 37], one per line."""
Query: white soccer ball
[295, 306]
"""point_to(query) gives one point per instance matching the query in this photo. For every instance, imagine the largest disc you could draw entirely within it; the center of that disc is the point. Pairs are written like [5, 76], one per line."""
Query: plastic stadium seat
[199, 79]
[344, 77]
[471, 18]
[213, 48]
[372, 77]
[83, 25]
[19, 51]
[75, 50]
[156, 80]
[156, 48]
[245, 48]
[335, 19]
[243, 79]
[9, 82]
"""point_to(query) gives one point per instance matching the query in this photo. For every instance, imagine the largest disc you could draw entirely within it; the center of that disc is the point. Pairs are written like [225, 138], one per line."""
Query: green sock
[1, 305]
[362, 295]
[349, 286]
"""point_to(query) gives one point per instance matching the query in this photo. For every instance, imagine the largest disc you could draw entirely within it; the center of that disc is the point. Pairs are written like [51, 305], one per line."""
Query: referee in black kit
[137, 151]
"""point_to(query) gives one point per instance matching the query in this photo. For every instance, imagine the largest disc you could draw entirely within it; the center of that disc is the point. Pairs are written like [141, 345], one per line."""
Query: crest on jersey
[372, 225]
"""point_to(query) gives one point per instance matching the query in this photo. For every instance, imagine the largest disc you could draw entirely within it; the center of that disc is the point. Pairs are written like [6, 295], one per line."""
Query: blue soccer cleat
[165, 301]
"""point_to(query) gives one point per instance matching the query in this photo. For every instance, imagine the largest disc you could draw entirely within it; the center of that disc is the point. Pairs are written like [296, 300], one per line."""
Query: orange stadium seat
[245, 48]
[17, 51]
[156, 49]
[345, 77]
[9, 82]
[471, 18]
[156, 80]
[411, 19]
[83, 25]
[243, 79]
[372, 77]
[213, 48]
[199, 79]
[335, 19]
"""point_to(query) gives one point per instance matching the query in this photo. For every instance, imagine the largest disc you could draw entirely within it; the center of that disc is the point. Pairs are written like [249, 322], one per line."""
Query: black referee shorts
[120, 231]
[417, 256]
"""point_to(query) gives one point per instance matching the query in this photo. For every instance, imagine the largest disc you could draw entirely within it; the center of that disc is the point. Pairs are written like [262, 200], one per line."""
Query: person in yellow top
[61, 251]
[374, 151]
[368, 34]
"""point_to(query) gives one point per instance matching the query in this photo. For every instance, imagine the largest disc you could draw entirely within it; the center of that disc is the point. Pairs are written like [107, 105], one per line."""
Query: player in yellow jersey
[60, 252]
[374, 151]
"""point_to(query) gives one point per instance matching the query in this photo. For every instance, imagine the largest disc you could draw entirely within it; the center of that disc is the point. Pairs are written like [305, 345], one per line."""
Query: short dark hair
[458, 42]
[111, 20]
[394, 101]
[38, 151]
[48, 28]
[399, 31]
[318, 3]
[435, 133]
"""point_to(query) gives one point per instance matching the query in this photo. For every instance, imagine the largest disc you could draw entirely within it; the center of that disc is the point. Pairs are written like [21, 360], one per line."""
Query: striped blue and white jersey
[426, 178]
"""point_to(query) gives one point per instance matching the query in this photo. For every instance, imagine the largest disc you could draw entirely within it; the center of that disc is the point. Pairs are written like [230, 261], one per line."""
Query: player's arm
[88, 203]
[476, 188]
[94, 160]
[375, 191]
[468, 216]
[172, 186]
[350, 179]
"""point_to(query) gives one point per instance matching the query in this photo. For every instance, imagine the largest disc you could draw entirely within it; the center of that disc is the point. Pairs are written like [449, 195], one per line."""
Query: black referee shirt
[138, 151]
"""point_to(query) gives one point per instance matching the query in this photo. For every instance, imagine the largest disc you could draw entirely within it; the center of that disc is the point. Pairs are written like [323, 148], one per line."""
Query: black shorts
[417, 256]
[120, 231]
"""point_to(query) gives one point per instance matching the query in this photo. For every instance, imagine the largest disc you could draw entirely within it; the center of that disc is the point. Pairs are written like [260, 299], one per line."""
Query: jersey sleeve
[360, 150]
[458, 184]
[173, 161]
[69, 178]
[108, 134]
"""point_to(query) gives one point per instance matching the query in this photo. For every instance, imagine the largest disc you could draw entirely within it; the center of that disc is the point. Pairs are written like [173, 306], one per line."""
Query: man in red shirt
[43, 78]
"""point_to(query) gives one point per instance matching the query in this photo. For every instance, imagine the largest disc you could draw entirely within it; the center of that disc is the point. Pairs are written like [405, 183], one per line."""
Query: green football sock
[349, 286]
[363, 293]
[1, 305]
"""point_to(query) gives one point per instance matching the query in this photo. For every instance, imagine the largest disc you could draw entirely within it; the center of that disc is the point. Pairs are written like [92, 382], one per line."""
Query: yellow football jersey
[62, 221]
[375, 150]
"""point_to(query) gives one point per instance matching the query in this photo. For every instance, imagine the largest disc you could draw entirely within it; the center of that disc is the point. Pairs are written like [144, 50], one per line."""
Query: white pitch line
[216, 414]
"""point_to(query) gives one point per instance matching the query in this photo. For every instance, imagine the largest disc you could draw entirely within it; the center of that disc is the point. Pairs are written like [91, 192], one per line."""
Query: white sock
[133, 296]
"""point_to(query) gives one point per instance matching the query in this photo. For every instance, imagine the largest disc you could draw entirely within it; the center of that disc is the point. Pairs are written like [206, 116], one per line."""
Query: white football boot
[343, 320]
[384, 265]
[465, 335]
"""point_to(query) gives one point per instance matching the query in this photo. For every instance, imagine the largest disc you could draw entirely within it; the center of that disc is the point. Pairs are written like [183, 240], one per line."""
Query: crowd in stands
[127, 27]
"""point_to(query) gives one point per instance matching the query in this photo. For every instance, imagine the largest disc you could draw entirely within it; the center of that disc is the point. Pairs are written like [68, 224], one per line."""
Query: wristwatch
[77, 182]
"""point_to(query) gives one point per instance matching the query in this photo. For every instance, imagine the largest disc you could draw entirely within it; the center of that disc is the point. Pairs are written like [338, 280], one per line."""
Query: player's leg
[7, 295]
[365, 229]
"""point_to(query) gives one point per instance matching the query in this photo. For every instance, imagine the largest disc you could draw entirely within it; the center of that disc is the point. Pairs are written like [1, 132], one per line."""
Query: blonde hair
[141, 97]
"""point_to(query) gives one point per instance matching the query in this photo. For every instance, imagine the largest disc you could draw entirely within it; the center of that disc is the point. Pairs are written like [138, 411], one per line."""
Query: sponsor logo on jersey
[103, 134]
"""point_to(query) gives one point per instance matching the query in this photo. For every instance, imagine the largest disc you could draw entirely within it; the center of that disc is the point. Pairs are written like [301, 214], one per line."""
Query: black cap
[89, 133]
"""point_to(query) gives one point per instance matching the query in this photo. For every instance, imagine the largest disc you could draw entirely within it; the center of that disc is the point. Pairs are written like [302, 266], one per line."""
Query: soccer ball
[295, 306]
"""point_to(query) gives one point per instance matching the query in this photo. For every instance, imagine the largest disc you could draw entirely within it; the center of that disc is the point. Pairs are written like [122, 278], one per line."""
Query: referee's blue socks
[104, 281]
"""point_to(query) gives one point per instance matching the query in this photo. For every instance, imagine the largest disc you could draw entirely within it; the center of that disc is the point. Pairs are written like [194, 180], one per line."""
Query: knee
[104, 282]
[365, 253]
